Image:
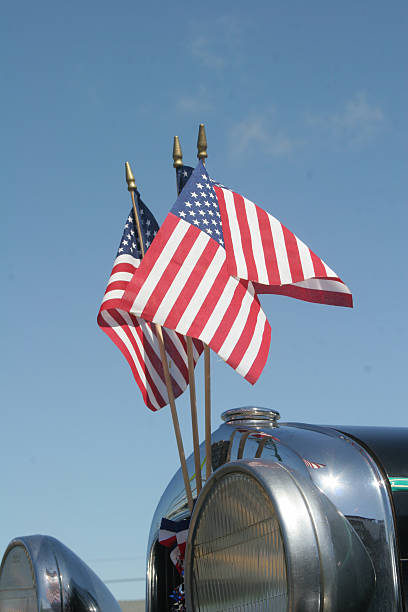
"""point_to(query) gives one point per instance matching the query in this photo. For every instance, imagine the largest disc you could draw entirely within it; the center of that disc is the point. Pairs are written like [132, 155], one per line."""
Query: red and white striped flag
[183, 283]
[262, 250]
[135, 337]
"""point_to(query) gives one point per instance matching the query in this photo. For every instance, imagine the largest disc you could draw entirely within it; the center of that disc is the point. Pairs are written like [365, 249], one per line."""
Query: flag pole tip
[130, 179]
[177, 153]
[202, 142]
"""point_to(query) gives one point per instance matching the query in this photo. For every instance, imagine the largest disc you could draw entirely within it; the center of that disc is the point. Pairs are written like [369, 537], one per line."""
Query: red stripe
[162, 237]
[268, 247]
[191, 284]
[246, 335]
[262, 356]
[108, 304]
[319, 269]
[124, 267]
[155, 361]
[252, 272]
[292, 252]
[169, 274]
[331, 298]
[123, 349]
[228, 318]
[174, 353]
[226, 230]
[207, 307]
[116, 285]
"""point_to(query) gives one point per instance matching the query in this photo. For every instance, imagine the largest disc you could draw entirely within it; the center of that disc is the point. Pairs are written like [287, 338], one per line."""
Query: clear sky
[305, 109]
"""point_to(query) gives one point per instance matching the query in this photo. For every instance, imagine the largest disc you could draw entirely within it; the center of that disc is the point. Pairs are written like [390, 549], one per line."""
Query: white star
[182, 214]
[188, 203]
[218, 214]
[204, 176]
[203, 194]
[129, 219]
[212, 195]
[196, 222]
[205, 221]
[210, 212]
[213, 221]
[194, 195]
[185, 173]
[120, 249]
[124, 241]
[217, 231]
[221, 242]
[142, 212]
[192, 213]
[132, 232]
[147, 244]
[207, 203]
[133, 245]
[199, 185]
[128, 236]
[154, 233]
[148, 233]
[214, 204]
[202, 213]
[208, 186]
[148, 222]
[197, 203]
[208, 230]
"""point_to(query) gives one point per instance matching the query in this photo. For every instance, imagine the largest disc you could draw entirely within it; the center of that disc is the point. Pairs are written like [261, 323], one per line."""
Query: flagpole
[202, 154]
[177, 163]
[130, 179]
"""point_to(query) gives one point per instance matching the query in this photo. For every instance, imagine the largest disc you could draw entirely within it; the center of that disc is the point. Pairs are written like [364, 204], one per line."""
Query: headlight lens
[238, 558]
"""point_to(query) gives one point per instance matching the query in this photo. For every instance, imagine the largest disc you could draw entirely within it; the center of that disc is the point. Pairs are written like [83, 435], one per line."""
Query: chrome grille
[237, 550]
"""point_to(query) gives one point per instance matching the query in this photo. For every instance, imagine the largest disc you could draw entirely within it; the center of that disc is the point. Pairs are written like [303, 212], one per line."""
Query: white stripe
[329, 271]
[174, 370]
[236, 239]
[254, 346]
[120, 276]
[113, 295]
[237, 327]
[203, 289]
[166, 535]
[181, 278]
[159, 267]
[177, 343]
[280, 251]
[257, 246]
[182, 536]
[121, 334]
[157, 379]
[305, 259]
[219, 310]
[323, 284]
[128, 259]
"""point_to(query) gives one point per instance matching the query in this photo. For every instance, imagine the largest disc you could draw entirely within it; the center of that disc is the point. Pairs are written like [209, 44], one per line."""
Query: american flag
[183, 283]
[260, 249]
[135, 337]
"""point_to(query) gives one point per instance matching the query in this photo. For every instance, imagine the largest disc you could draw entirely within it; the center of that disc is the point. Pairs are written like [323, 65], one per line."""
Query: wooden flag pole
[202, 154]
[177, 163]
[130, 179]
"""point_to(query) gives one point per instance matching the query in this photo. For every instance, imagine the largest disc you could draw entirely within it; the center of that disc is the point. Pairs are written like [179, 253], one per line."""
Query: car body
[294, 517]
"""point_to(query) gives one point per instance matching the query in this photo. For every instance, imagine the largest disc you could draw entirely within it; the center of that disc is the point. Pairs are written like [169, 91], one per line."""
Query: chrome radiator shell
[334, 463]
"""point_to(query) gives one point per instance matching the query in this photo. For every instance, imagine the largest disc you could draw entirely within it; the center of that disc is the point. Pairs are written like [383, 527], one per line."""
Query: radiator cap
[251, 413]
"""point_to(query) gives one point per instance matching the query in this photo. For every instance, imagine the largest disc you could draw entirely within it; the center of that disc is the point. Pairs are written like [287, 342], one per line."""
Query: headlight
[264, 538]
[40, 574]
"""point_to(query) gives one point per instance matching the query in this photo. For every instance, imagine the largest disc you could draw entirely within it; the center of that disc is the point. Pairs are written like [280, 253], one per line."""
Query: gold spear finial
[201, 142]
[177, 153]
[130, 179]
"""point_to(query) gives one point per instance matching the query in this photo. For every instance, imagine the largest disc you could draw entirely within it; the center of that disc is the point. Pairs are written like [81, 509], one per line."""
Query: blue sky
[305, 110]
